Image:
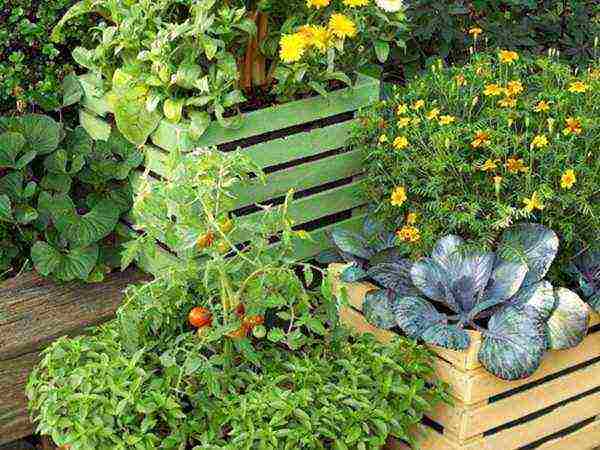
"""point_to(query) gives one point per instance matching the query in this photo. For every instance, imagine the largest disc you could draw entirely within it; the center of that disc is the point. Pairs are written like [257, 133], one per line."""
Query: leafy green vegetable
[586, 270]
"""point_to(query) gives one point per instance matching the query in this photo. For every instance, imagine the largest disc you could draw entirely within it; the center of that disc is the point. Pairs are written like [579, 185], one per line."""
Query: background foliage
[439, 28]
[469, 150]
[31, 66]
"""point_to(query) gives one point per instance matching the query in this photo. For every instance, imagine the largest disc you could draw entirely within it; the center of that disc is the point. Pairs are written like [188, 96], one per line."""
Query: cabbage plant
[586, 269]
[442, 296]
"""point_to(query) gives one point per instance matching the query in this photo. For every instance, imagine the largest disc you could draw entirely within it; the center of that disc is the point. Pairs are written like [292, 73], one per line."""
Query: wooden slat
[586, 438]
[467, 421]
[274, 118]
[277, 151]
[300, 178]
[563, 417]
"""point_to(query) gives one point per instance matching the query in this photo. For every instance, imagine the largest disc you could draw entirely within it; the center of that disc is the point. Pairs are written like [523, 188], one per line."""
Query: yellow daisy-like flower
[447, 119]
[542, 106]
[291, 47]
[533, 203]
[507, 56]
[514, 87]
[398, 196]
[400, 143]
[403, 122]
[408, 233]
[515, 165]
[540, 141]
[578, 87]
[411, 218]
[482, 138]
[342, 26]
[568, 179]
[317, 3]
[508, 102]
[315, 36]
[489, 166]
[355, 3]
[573, 126]
[475, 31]
[433, 114]
[492, 90]
[402, 109]
[383, 139]
[418, 105]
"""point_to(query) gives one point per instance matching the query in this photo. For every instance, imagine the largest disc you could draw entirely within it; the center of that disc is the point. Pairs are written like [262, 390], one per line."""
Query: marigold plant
[501, 140]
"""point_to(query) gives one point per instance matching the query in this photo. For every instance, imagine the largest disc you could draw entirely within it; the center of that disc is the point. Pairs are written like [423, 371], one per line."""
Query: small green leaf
[172, 109]
[97, 128]
[382, 50]
[5, 209]
[200, 120]
[72, 90]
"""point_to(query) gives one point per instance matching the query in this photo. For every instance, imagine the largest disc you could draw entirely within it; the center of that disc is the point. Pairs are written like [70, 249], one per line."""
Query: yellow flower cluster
[292, 47]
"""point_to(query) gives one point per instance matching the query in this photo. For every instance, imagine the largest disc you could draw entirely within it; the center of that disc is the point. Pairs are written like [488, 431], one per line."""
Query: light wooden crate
[557, 408]
[301, 145]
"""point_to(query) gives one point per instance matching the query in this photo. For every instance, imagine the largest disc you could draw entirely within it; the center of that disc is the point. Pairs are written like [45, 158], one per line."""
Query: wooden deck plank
[586, 438]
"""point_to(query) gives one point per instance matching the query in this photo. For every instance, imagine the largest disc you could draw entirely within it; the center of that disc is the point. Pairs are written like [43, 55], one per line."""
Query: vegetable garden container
[557, 408]
[301, 145]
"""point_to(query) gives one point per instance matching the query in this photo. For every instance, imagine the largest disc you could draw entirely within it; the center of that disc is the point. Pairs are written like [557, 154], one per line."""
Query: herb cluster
[268, 366]
[471, 150]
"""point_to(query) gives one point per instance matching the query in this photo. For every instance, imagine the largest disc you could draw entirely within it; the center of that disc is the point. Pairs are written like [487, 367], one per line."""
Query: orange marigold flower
[482, 138]
[573, 126]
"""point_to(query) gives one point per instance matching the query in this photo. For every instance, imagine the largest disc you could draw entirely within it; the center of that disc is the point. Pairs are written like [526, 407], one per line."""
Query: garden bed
[34, 312]
[300, 145]
[556, 408]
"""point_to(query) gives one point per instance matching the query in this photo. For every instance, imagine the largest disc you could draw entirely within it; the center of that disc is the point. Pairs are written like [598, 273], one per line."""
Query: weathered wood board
[34, 312]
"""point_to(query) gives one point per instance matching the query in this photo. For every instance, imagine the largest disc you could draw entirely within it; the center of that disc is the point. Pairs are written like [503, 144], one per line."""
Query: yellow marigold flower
[402, 109]
[400, 143]
[433, 114]
[408, 233]
[317, 3]
[489, 166]
[460, 79]
[315, 36]
[508, 102]
[492, 90]
[475, 31]
[403, 122]
[482, 138]
[355, 3]
[398, 196]
[533, 203]
[568, 179]
[447, 119]
[507, 56]
[540, 141]
[418, 105]
[578, 87]
[342, 26]
[573, 126]
[383, 139]
[411, 218]
[416, 121]
[542, 106]
[291, 47]
[514, 87]
[514, 165]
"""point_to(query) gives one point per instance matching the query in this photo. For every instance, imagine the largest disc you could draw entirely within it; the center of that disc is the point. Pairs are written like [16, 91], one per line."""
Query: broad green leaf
[378, 309]
[97, 128]
[173, 109]
[75, 264]
[134, 121]
[11, 145]
[42, 134]
[72, 90]
[569, 322]
[5, 209]
[200, 120]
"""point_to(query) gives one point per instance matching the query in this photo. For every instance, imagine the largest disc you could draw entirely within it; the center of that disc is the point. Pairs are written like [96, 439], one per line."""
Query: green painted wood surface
[276, 151]
[366, 91]
[300, 177]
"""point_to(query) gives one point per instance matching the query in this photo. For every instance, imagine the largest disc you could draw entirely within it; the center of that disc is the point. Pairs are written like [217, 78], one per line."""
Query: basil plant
[438, 298]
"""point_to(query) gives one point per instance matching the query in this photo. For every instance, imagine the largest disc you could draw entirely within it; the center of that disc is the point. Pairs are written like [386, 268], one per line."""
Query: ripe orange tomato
[200, 317]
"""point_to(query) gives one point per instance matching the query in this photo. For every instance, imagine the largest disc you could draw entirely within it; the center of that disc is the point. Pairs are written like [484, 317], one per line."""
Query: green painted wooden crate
[307, 156]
